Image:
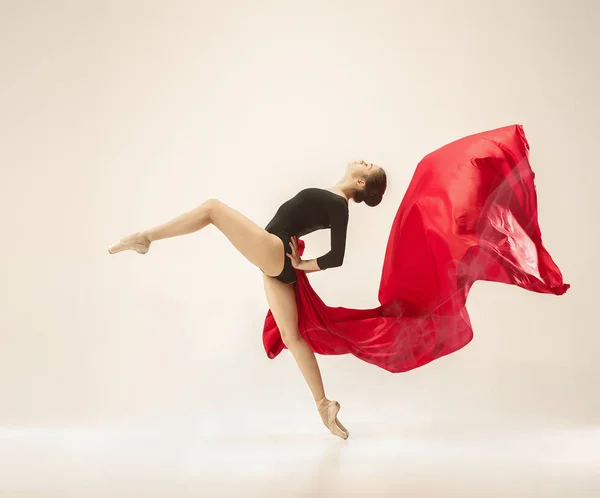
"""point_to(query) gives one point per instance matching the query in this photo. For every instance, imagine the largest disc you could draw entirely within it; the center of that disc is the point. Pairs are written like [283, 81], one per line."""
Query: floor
[414, 462]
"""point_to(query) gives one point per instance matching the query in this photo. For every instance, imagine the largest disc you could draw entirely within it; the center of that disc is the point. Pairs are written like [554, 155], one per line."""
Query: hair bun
[373, 199]
[374, 189]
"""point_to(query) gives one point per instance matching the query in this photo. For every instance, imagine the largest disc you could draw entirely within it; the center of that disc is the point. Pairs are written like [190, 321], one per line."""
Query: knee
[290, 337]
[211, 205]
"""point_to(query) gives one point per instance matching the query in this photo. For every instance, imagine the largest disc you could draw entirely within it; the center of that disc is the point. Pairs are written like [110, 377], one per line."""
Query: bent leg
[261, 248]
[258, 246]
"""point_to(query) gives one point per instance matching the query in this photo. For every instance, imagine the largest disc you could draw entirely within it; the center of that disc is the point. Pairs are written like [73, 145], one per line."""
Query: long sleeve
[339, 228]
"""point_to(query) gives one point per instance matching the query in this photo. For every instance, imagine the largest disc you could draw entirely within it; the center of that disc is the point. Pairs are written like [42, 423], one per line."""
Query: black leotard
[313, 209]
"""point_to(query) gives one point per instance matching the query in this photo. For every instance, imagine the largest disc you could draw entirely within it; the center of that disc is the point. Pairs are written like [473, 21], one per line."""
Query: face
[360, 169]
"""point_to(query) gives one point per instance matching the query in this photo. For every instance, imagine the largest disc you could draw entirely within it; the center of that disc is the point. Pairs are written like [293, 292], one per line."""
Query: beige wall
[116, 116]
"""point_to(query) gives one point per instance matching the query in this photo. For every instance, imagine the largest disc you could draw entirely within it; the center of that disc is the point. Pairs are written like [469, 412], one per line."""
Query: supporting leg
[307, 362]
[282, 302]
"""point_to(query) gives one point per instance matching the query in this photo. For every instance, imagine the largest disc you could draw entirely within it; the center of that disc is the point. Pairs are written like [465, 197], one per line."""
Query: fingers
[294, 254]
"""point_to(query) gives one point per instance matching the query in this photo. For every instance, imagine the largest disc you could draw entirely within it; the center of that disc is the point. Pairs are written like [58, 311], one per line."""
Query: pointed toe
[328, 414]
[124, 245]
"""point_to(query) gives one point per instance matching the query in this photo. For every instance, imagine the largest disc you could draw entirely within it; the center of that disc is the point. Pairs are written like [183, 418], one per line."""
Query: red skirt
[469, 213]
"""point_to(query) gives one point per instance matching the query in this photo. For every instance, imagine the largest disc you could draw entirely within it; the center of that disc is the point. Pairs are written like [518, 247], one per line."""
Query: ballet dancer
[274, 250]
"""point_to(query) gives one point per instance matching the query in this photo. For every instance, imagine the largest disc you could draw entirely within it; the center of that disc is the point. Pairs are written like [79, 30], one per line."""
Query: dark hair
[372, 194]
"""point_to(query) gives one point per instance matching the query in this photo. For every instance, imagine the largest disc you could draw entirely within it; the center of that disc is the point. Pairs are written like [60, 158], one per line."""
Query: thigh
[282, 303]
[261, 248]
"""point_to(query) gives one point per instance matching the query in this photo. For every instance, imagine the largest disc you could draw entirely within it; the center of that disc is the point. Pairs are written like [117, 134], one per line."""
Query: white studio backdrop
[116, 118]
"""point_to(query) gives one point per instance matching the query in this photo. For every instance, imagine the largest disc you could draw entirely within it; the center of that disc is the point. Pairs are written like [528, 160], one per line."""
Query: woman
[274, 251]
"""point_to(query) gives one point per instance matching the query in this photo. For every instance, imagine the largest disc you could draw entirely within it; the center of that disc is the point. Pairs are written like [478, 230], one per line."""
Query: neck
[342, 188]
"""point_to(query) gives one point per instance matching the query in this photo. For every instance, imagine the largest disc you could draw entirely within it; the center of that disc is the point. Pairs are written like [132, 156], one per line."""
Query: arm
[308, 265]
[339, 227]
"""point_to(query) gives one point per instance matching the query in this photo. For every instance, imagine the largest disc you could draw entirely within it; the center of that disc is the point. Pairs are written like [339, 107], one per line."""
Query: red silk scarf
[469, 213]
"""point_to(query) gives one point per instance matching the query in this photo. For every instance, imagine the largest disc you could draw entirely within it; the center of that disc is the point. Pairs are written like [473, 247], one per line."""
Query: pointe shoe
[328, 412]
[127, 243]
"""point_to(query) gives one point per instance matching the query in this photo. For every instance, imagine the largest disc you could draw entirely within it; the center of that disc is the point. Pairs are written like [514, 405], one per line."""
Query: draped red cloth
[469, 213]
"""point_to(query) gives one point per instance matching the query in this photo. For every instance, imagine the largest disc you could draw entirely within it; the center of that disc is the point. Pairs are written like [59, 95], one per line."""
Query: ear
[360, 182]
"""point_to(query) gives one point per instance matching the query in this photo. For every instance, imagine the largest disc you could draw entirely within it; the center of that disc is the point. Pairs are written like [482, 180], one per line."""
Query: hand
[294, 256]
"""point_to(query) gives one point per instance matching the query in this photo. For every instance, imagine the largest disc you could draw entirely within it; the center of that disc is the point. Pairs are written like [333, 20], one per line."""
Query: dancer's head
[367, 182]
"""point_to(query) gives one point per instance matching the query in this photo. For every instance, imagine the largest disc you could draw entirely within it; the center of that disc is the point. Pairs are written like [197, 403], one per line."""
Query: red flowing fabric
[469, 213]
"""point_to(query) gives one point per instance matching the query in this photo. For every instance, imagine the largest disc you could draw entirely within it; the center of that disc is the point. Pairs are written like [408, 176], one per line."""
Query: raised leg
[261, 248]
[282, 302]
[188, 222]
[258, 246]
[185, 223]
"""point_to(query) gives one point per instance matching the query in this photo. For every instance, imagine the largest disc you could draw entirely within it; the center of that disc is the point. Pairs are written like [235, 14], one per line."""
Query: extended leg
[188, 222]
[258, 246]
